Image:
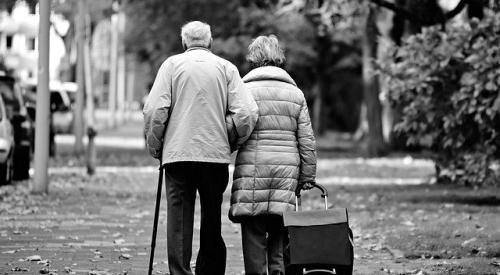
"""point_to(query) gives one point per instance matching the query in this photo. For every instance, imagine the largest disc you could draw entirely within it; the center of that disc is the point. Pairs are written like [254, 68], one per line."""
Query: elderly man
[196, 99]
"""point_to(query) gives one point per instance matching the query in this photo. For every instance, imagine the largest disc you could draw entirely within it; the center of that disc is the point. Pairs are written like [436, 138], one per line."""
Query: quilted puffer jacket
[281, 151]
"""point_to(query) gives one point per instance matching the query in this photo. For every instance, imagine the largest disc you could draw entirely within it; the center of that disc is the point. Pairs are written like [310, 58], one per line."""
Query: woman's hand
[307, 185]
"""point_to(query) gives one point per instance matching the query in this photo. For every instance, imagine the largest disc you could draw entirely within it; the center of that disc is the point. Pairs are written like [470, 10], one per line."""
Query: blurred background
[404, 97]
[349, 57]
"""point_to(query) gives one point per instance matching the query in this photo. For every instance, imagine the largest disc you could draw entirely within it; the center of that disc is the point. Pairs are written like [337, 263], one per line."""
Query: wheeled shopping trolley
[320, 241]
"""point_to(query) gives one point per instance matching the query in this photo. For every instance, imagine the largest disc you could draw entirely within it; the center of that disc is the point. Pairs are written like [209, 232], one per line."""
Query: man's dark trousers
[183, 179]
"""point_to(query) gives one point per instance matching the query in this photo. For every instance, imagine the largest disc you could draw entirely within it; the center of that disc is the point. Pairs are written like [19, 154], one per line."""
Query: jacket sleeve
[307, 146]
[156, 111]
[231, 133]
[241, 108]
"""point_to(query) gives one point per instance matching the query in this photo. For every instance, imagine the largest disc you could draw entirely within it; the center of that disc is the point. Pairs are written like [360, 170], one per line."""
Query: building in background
[19, 42]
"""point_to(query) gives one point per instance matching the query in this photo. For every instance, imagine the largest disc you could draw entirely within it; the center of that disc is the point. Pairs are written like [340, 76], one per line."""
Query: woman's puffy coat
[280, 152]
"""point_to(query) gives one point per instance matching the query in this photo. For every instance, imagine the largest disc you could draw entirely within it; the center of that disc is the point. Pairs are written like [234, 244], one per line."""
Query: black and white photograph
[250, 137]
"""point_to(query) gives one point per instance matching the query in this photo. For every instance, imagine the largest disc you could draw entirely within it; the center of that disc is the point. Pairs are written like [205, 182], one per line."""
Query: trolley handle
[324, 195]
[324, 192]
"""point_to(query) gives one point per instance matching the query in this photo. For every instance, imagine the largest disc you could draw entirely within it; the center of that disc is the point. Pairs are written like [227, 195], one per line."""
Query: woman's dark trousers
[183, 179]
[262, 239]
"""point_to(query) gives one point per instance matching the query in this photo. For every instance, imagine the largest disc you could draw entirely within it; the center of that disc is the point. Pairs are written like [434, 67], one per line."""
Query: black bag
[319, 240]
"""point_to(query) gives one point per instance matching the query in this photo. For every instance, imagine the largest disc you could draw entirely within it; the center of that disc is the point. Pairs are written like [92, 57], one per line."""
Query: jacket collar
[197, 48]
[268, 73]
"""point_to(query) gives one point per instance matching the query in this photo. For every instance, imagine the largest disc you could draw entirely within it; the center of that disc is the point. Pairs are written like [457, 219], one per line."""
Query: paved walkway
[102, 224]
[90, 227]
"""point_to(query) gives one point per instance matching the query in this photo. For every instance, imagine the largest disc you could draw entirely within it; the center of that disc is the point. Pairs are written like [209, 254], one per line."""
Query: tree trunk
[80, 79]
[317, 104]
[42, 121]
[371, 86]
[323, 78]
[113, 72]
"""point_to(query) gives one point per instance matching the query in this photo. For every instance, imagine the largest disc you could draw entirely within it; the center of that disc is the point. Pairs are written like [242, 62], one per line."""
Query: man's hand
[307, 186]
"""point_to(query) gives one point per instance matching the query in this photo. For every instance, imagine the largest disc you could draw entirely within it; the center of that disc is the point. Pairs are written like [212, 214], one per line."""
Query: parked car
[23, 127]
[6, 147]
[61, 104]
[29, 94]
[62, 113]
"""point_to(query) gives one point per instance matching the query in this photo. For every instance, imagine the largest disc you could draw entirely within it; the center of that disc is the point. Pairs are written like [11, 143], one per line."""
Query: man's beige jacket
[196, 98]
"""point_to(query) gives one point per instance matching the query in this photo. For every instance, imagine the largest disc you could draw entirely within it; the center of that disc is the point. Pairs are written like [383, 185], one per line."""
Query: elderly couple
[198, 112]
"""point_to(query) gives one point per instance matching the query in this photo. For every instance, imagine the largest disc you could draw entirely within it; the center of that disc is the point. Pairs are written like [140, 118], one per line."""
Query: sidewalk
[90, 229]
[103, 224]
[89, 226]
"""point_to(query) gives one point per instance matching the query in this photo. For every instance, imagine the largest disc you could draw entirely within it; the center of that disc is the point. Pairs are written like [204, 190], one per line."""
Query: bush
[447, 84]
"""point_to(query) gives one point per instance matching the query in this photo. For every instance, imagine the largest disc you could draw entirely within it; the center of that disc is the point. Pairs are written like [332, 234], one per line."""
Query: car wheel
[22, 159]
[6, 172]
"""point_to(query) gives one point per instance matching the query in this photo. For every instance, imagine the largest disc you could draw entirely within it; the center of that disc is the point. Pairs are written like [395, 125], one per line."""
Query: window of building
[30, 43]
[8, 41]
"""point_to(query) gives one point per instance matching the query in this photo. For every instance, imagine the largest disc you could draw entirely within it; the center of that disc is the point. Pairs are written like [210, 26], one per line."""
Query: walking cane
[155, 223]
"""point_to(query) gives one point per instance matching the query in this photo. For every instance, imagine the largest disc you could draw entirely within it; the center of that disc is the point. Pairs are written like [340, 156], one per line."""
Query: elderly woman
[279, 156]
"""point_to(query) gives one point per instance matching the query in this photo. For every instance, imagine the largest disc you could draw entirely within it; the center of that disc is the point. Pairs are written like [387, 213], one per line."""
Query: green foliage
[97, 9]
[153, 30]
[447, 84]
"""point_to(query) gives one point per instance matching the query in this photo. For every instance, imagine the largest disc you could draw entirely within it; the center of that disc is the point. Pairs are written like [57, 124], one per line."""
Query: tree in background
[328, 45]
[330, 60]
[154, 31]
[446, 83]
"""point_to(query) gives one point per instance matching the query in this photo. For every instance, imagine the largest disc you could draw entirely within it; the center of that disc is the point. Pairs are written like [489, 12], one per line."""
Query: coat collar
[197, 48]
[268, 73]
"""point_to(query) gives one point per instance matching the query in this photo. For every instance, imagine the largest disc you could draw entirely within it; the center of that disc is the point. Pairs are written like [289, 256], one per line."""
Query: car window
[57, 102]
[72, 97]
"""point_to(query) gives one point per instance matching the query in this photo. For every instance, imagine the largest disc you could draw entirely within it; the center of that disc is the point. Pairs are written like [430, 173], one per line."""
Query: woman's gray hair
[265, 51]
[196, 34]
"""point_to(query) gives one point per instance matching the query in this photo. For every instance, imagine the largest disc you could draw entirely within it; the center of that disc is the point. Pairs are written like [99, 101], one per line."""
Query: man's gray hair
[265, 51]
[196, 34]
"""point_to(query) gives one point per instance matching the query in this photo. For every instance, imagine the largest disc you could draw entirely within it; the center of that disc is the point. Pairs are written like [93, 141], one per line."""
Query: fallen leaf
[44, 262]
[34, 258]
[69, 270]
[466, 242]
[119, 241]
[125, 256]
[9, 252]
[408, 223]
[20, 269]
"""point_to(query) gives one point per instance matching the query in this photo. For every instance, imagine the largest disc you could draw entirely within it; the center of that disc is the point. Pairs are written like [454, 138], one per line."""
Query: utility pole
[80, 78]
[130, 87]
[41, 178]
